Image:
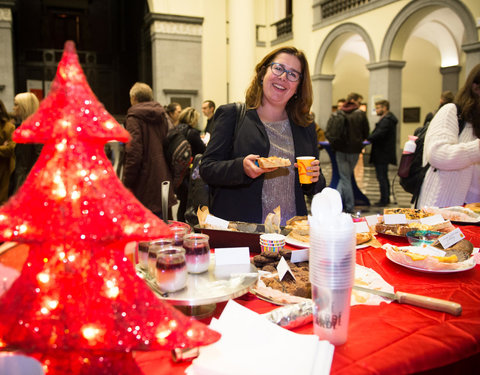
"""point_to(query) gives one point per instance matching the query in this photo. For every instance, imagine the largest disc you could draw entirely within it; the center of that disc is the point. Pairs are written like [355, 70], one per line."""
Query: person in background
[7, 152]
[173, 112]
[320, 132]
[278, 123]
[453, 178]
[340, 103]
[26, 154]
[208, 110]
[384, 140]
[145, 166]
[445, 98]
[359, 169]
[347, 153]
[188, 122]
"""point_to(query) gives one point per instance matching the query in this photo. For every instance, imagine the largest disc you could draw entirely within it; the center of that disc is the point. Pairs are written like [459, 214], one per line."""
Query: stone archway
[386, 74]
[323, 67]
[397, 33]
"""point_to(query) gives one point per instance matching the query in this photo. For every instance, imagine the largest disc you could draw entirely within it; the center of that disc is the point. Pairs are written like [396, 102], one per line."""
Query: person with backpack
[277, 122]
[453, 153]
[188, 121]
[384, 143]
[145, 166]
[347, 128]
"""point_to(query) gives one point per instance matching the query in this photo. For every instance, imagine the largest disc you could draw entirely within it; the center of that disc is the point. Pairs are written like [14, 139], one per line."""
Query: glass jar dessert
[197, 252]
[171, 269]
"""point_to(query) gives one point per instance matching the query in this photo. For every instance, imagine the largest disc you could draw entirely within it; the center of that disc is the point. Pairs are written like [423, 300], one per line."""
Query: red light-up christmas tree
[78, 305]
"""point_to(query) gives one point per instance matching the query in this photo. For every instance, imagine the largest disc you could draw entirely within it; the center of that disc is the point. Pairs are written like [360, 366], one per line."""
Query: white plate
[362, 246]
[296, 243]
[305, 245]
[432, 271]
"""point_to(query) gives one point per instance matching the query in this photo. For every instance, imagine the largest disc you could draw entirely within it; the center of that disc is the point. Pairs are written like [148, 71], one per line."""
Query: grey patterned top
[279, 185]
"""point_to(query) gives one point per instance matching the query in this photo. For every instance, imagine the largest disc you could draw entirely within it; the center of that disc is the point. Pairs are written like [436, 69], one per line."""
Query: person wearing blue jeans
[347, 151]
[346, 163]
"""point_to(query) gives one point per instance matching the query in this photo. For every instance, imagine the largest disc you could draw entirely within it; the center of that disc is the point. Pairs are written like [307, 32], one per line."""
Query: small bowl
[422, 237]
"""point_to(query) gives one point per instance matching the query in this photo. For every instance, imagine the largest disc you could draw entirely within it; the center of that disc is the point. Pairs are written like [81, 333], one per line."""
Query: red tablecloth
[392, 338]
[386, 339]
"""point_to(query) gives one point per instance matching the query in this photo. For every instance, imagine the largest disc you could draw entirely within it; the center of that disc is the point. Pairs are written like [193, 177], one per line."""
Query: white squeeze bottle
[410, 145]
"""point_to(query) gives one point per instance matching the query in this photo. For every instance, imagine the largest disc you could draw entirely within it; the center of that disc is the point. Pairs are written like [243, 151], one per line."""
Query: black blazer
[234, 195]
[384, 141]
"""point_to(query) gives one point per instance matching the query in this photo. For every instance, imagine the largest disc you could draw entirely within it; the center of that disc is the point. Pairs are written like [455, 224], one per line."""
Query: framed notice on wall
[411, 114]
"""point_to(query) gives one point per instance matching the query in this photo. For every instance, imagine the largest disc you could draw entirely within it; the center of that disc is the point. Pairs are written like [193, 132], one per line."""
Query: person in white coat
[453, 178]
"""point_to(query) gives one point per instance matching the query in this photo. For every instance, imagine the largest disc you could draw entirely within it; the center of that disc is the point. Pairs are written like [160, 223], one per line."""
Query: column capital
[471, 47]
[388, 64]
[7, 3]
[450, 69]
[5, 14]
[323, 77]
[152, 17]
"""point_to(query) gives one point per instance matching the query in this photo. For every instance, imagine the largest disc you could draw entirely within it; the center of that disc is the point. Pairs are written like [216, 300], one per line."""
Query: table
[386, 339]
[360, 198]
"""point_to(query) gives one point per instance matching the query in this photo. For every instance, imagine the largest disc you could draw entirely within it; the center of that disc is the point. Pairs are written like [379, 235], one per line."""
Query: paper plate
[296, 243]
[468, 267]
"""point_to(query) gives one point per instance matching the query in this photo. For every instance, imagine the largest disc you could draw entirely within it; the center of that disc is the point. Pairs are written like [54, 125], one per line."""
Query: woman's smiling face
[277, 90]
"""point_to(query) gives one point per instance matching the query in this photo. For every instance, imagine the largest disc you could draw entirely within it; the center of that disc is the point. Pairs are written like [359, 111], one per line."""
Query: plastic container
[410, 146]
[422, 237]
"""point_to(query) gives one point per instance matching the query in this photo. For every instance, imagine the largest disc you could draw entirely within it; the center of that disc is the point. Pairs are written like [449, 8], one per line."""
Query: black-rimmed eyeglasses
[278, 69]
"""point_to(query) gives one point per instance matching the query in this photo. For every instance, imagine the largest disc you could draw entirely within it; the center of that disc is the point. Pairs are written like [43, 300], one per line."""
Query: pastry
[273, 162]
[410, 213]
[456, 257]
[475, 207]
[363, 237]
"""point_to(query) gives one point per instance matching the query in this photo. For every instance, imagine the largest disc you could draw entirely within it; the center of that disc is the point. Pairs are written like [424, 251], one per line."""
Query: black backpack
[337, 129]
[411, 171]
[178, 153]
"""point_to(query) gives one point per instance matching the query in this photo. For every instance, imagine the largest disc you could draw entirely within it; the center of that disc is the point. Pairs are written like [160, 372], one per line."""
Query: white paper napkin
[252, 345]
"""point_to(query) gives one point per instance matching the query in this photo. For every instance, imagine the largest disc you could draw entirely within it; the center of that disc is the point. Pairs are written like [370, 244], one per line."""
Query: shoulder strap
[241, 109]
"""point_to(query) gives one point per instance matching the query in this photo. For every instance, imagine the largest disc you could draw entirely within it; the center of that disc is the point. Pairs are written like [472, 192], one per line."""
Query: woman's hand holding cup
[308, 169]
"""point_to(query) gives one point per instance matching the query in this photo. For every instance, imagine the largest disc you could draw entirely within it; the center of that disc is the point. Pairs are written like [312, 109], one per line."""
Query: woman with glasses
[278, 123]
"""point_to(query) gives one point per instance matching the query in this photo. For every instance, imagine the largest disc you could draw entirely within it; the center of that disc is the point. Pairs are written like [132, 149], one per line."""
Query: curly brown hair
[298, 107]
[469, 101]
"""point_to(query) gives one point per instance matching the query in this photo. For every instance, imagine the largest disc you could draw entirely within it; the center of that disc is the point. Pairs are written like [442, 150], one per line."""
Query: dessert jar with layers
[197, 252]
[171, 269]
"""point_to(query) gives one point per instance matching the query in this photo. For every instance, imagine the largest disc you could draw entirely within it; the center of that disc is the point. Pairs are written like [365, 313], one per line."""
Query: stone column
[450, 78]
[176, 57]
[242, 42]
[7, 89]
[386, 83]
[472, 50]
[322, 98]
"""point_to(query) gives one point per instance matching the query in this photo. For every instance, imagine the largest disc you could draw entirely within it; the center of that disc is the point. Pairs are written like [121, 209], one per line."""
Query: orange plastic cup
[303, 162]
